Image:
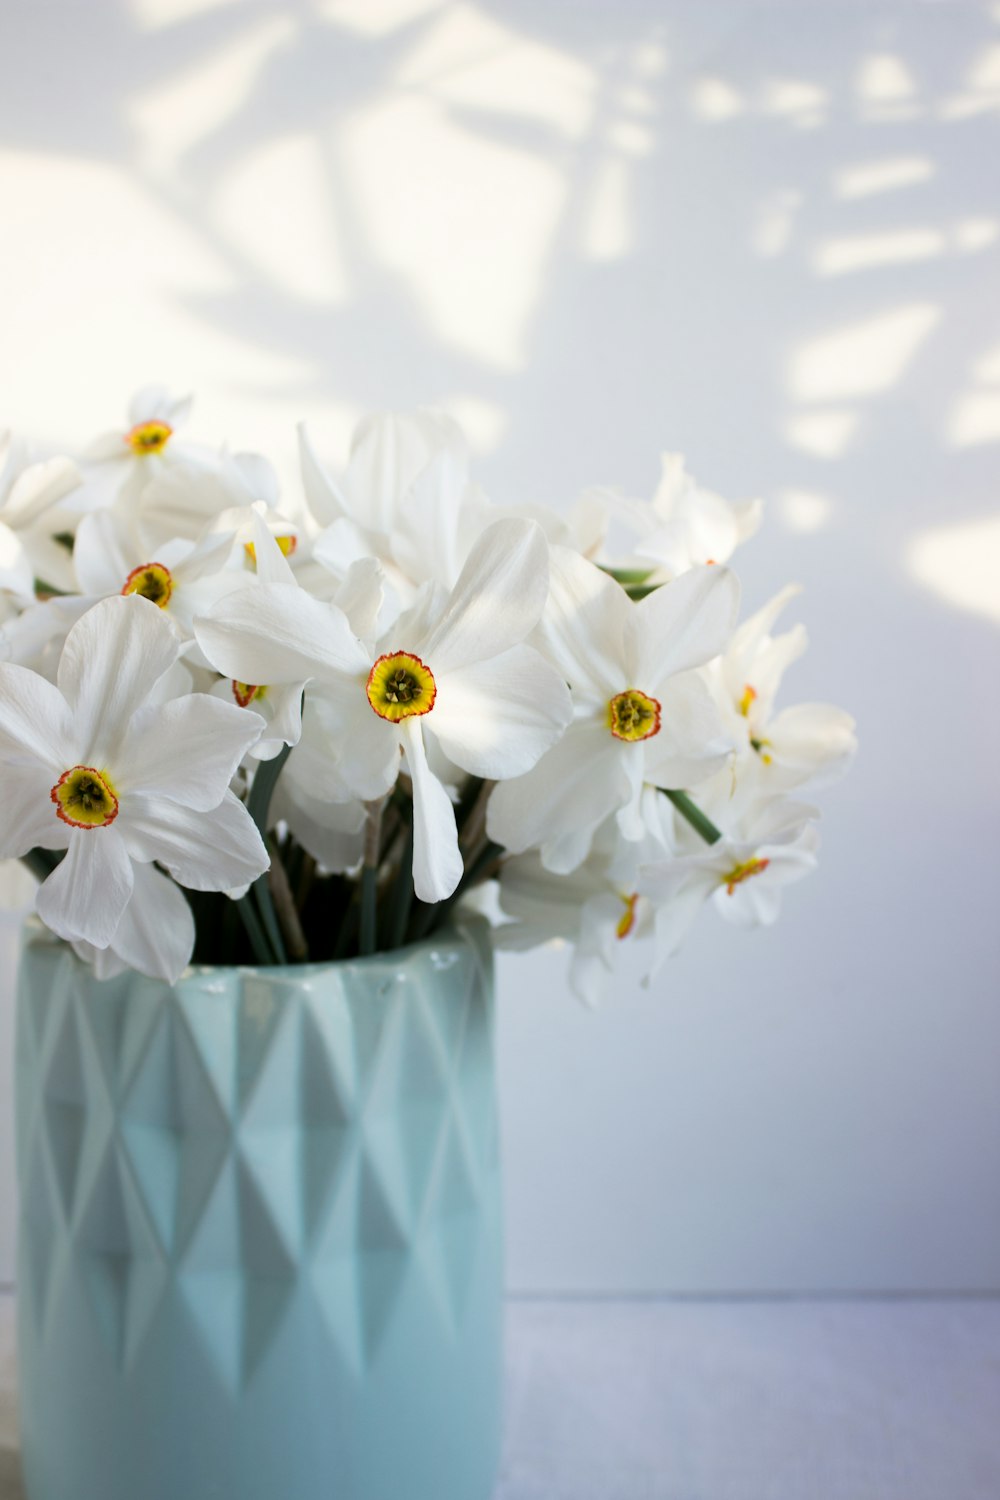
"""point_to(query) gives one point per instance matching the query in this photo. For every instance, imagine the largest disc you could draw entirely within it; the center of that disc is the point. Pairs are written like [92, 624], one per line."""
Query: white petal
[187, 750]
[38, 488]
[388, 451]
[206, 851]
[36, 725]
[272, 565]
[354, 752]
[498, 599]
[497, 718]
[104, 553]
[275, 634]
[570, 791]
[326, 501]
[813, 739]
[29, 819]
[87, 892]
[683, 624]
[113, 657]
[584, 627]
[156, 933]
[360, 596]
[437, 862]
[692, 742]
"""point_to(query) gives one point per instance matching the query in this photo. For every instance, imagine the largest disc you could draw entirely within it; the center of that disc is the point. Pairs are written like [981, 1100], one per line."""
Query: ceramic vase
[260, 1229]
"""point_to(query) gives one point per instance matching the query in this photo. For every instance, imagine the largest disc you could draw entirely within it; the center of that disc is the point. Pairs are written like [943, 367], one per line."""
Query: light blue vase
[260, 1230]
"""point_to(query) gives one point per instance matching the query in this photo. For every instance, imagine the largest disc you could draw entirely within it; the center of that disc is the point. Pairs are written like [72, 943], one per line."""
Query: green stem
[259, 805]
[255, 931]
[369, 877]
[402, 894]
[694, 815]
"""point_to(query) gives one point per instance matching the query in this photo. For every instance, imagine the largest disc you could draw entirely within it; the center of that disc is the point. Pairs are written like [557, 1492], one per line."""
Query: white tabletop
[731, 1400]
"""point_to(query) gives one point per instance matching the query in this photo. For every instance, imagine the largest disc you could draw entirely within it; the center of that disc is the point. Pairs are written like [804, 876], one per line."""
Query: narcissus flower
[686, 526]
[31, 515]
[807, 742]
[98, 767]
[454, 672]
[642, 714]
[771, 844]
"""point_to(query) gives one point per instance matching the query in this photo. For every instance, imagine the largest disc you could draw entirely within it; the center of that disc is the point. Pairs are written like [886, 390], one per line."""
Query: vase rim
[462, 932]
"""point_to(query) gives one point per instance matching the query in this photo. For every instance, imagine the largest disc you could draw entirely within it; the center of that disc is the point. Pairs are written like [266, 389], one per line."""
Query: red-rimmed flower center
[85, 798]
[633, 715]
[151, 581]
[627, 919]
[400, 686]
[149, 437]
[746, 871]
[286, 546]
[246, 693]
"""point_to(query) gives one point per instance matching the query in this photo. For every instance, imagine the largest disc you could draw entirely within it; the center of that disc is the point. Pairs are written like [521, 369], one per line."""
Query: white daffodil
[686, 526]
[596, 908]
[96, 766]
[191, 497]
[406, 499]
[31, 516]
[456, 673]
[642, 714]
[807, 742]
[770, 845]
[121, 463]
[181, 577]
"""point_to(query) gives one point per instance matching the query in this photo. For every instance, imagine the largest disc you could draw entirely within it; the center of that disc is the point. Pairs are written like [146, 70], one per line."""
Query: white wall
[767, 235]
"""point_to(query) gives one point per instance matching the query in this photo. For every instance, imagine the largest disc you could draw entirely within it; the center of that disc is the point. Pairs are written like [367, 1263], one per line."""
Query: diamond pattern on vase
[385, 1257]
[334, 1270]
[237, 1315]
[406, 1108]
[119, 1023]
[451, 1243]
[250, 1138]
[174, 1130]
[326, 1109]
[39, 1232]
[125, 1274]
[75, 1107]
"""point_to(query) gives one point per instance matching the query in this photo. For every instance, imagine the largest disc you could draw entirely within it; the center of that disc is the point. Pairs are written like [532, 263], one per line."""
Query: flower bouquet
[272, 762]
[243, 731]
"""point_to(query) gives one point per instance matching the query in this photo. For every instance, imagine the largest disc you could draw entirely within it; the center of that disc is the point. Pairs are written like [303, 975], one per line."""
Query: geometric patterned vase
[260, 1242]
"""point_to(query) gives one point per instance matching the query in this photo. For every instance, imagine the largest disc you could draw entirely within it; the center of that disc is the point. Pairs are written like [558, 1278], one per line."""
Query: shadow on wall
[369, 202]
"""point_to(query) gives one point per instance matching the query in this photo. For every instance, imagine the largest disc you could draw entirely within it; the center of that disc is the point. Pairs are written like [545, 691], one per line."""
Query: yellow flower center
[627, 921]
[149, 437]
[746, 871]
[246, 693]
[151, 581]
[286, 546]
[400, 686]
[85, 798]
[633, 715]
[746, 702]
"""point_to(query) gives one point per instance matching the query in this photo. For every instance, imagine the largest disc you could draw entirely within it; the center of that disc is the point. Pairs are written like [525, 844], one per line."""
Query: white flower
[121, 463]
[772, 844]
[406, 499]
[803, 743]
[181, 577]
[686, 526]
[93, 766]
[596, 908]
[642, 715]
[31, 495]
[455, 673]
